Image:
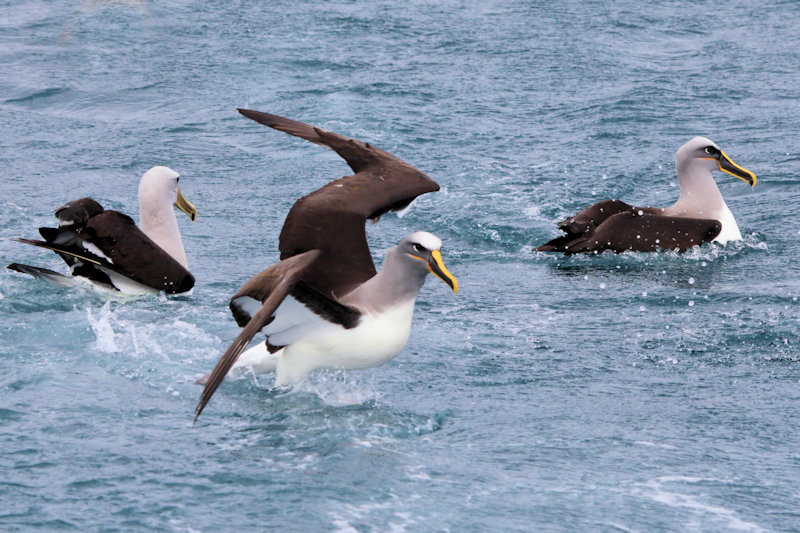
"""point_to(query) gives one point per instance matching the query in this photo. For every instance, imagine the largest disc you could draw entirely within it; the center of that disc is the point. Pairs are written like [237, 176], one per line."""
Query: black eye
[710, 150]
[177, 179]
[418, 247]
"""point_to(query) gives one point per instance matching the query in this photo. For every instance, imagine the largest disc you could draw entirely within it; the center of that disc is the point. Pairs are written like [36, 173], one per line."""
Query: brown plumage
[127, 250]
[331, 219]
[617, 226]
[323, 244]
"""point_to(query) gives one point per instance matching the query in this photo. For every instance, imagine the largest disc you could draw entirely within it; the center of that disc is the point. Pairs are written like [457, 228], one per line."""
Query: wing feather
[285, 275]
[648, 232]
[332, 218]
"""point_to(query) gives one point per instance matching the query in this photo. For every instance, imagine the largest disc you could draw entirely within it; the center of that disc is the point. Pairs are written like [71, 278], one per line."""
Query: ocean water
[617, 393]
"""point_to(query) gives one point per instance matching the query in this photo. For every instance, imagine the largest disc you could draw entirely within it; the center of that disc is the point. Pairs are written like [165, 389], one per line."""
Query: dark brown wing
[127, 250]
[583, 224]
[646, 232]
[332, 218]
[278, 280]
[134, 254]
[75, 214]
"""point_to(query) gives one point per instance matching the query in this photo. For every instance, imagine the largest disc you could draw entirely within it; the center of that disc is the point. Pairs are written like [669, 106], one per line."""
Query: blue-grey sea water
[628, 392]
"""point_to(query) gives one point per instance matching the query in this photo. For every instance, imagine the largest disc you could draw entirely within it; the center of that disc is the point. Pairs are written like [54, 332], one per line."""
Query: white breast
[375, 340]
[730, 229]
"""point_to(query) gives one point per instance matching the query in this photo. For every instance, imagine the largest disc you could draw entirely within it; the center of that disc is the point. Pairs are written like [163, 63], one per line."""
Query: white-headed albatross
[107, 248]
[324, 305]
[700, 214]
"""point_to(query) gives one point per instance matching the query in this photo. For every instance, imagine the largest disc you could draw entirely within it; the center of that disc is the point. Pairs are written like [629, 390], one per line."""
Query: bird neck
[398, 282]
[158, 222]
[700, 196]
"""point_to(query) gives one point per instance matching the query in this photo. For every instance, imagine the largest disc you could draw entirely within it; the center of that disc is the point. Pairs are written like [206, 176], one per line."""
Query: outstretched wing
[332, 218]
[278, 281]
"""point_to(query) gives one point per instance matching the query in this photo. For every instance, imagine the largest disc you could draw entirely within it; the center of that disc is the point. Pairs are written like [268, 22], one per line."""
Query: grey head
[403, 273]
[422, 253]
[703, 153]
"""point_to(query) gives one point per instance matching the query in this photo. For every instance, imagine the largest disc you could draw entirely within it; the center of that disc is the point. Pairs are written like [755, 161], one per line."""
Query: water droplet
[641, 212]
[644, 293]
[691, 303]
[691, 281]
[641, 308]
[602, 285]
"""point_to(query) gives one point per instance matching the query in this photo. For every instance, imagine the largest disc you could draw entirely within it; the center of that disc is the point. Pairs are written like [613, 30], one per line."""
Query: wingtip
[266, 119]
[198, 411]
[252, 114]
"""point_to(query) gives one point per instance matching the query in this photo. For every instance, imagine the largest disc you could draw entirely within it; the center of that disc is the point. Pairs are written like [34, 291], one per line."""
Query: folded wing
[111, 241]
[634, 229]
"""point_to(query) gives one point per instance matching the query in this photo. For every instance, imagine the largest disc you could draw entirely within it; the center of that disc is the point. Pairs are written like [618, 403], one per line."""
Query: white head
[425, 239]
[158, 192]
[159, 187]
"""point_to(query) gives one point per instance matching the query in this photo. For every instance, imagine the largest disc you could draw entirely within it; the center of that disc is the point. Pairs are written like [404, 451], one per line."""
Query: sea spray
[102, 328]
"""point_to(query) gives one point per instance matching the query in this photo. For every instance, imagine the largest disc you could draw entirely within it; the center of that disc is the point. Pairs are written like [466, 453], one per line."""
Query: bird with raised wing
[324, 305]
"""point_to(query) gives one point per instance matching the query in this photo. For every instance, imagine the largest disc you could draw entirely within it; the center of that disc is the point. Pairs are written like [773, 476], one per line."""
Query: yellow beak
[726, 164]
[185, 205]
[436, 265]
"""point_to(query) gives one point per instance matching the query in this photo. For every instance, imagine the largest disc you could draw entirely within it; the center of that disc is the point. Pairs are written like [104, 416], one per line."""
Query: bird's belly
[127, 285]
[377, 339]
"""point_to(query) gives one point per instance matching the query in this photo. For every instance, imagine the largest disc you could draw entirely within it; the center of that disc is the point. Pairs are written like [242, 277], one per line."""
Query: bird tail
[51, 276]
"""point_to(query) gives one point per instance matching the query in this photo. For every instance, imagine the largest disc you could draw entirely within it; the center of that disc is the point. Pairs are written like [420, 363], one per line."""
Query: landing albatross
[108, 249]
[700, 214]
[324, 305]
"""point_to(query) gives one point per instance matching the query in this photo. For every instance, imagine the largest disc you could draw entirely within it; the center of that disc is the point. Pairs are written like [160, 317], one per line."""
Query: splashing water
[101, 325]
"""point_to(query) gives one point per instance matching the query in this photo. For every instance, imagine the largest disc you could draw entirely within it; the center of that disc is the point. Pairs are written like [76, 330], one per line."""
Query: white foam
[690, 502]
[400, 521]
[339, 388]
[102, 329]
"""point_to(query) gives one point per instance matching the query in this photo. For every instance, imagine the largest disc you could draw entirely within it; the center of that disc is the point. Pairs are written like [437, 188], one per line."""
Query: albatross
[108, 249]
[324, 305]
[700, 214]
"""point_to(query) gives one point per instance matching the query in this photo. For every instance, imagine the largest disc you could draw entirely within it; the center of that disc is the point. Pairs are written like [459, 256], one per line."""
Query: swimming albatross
[107, 248]
[700, 214]
[324, 305]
